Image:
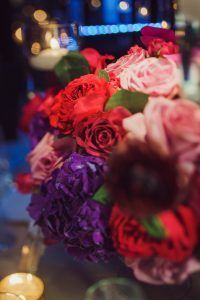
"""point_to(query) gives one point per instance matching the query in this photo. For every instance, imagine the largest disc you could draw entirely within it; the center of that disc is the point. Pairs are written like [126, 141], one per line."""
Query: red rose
[158, 47]
[133, 241]
[24, 183]
[85, 94]
[95, 59]
[29, 111]
[99, 133]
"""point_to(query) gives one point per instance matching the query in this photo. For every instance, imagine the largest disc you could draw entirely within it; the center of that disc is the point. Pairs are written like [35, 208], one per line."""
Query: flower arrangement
[115, 164]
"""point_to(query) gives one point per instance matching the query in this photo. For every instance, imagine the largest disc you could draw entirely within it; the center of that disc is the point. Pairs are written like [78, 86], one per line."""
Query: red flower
[158, 47]
[86, 94]
[133, 241]
[99, 133]
[95, 59]
[24, 183]
[29, 111]
[150, 33]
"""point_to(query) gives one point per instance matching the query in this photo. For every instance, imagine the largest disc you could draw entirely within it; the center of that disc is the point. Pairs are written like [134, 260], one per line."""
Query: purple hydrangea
[81, 176]
[39, 127]
[47, 208]
[65, 211]
[87, 236]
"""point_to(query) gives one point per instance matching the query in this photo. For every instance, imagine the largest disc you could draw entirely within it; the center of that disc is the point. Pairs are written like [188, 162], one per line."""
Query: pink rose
[158, 271]
[47, 156]
[172, 128]
[153, 76]
[158, 47]
[135, 126]
[135, 55]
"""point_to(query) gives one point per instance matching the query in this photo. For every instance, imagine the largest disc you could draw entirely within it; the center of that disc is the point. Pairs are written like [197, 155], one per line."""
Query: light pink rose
[47, 156]
[158, 271]
[153, 76]
[136, 55]
[172, 128]
[135, 127]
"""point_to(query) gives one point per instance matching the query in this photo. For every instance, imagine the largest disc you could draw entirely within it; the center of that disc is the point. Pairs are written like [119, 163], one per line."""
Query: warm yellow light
[54, 44]
[96, 3]
[48, 36]
[143, 11]
[164, 24]
[180, 33]
[22, 297]
[18, 35]
[25, 250]
[40, 15]
[123, 5]
[175, 6]
[35, 49]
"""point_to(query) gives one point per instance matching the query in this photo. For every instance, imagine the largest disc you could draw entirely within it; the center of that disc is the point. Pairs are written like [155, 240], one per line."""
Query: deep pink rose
[158, 47]
[95, 59]
[150, 33]
[172, 128]
[153, 76]
[135, 55]
[158, 271]
[47, 156]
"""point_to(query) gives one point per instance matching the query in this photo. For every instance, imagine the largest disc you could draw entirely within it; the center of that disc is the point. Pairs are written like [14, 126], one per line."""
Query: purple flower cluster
[65, 211]
[39, 126]
[87, 236]
[81, 176]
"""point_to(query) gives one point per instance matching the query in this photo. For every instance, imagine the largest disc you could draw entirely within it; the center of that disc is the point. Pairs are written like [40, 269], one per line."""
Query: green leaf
[133, 101]
[104, 74]
[154, 227]
[101, 195]
[71, 66]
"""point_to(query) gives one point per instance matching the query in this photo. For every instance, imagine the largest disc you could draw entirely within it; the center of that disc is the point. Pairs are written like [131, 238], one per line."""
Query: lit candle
[47, 59]
[27, 286]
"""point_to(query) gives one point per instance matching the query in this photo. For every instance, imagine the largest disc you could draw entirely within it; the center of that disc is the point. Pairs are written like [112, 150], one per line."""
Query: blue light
[123, 28]
[92, 30]
[113, 29]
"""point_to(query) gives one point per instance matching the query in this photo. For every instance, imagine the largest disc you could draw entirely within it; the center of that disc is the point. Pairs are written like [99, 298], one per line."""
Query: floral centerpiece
[115, 163]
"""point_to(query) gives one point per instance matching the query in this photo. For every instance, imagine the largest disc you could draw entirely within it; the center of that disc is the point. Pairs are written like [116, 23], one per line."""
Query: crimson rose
[100, 132]
[86, 94]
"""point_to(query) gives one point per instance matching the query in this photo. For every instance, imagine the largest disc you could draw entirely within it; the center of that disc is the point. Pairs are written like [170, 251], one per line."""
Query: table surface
[66, 279]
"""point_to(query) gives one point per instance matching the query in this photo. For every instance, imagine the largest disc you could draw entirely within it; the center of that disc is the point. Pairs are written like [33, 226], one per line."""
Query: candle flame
[54, 44]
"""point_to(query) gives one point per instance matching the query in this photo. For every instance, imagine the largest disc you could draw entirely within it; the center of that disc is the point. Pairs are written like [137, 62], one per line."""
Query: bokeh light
[96, 3]
[124, 5]
[35, 48]
[164, 24]
[40, 15]
[143, 11]
[18, 35]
